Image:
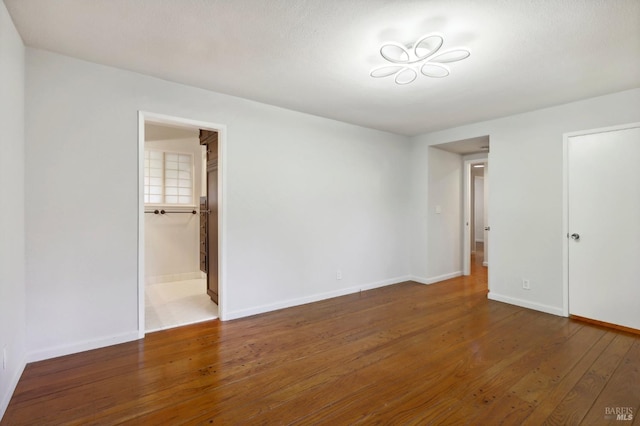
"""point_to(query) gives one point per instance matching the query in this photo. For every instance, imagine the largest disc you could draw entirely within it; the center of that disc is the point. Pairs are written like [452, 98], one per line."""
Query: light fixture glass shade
[434, 70]
[394, 52]
[406, 76]
[423, 57]
[451, 56]
[427, 46]
[386, 71]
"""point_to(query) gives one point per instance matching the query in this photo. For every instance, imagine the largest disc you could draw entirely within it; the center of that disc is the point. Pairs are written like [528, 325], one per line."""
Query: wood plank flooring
[403, 354]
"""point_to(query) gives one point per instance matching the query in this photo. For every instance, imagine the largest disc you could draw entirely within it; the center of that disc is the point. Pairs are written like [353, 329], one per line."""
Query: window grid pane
[152, 176]
[168, 178]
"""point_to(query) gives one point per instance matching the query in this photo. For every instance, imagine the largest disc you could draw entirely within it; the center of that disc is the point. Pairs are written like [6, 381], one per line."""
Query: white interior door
[604, 226]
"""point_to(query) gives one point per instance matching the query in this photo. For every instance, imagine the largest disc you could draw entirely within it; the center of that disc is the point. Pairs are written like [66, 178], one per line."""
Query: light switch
[438, 209]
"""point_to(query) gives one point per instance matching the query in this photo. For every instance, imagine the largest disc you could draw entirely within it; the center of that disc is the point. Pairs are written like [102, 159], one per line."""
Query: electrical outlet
[338, 274]
[526, 284]
[4, 358]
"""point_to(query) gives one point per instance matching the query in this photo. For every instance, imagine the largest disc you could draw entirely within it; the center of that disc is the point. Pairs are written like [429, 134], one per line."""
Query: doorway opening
[179, 238]
[475, 225]
[478, 227]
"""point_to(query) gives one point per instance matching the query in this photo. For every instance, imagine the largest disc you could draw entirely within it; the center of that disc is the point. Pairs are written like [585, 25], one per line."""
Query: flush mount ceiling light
[423, 57]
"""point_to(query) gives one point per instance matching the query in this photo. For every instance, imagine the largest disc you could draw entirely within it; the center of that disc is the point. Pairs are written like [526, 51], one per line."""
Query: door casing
[145, 116]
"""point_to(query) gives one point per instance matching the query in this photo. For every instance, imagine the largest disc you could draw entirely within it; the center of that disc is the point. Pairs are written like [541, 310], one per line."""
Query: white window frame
[164, 204]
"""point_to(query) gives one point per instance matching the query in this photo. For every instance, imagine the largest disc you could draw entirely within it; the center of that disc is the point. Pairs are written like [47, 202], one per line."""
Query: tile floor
[177, 303]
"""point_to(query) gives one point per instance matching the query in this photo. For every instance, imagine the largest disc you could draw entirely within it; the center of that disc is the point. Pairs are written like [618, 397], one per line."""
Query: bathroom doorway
[173, 184]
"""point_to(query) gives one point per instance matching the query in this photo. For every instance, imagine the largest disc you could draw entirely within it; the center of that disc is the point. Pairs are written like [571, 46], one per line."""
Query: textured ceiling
[315, 55]
[467, 146]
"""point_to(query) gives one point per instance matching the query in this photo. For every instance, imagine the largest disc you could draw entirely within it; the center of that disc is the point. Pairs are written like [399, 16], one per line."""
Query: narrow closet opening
[175, 191]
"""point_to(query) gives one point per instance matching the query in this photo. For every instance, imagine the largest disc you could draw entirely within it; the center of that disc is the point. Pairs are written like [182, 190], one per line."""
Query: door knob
[575, 236]
[487, 228]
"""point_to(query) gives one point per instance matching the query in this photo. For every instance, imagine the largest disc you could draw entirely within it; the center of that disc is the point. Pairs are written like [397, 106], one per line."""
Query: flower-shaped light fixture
[424, 57]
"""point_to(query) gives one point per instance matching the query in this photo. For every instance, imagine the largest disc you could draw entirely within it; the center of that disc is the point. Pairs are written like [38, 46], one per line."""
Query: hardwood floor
[403, 354]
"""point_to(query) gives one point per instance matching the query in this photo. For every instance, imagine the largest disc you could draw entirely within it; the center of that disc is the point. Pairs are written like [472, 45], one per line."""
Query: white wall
[526, 192]
[172, 241]
[419, 212]
[445, 215]
[305, 196]
[12, 244]
[436, 242]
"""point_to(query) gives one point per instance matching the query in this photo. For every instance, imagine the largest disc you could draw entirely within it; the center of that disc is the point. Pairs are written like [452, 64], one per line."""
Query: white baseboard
[87, 345]
[526, 304]
[310, 299]
[485, 264]
[173, 277]
[436, 279]
[8, 392]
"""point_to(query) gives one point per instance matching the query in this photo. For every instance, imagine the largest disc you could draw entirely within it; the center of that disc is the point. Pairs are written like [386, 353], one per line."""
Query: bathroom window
[168, 178]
